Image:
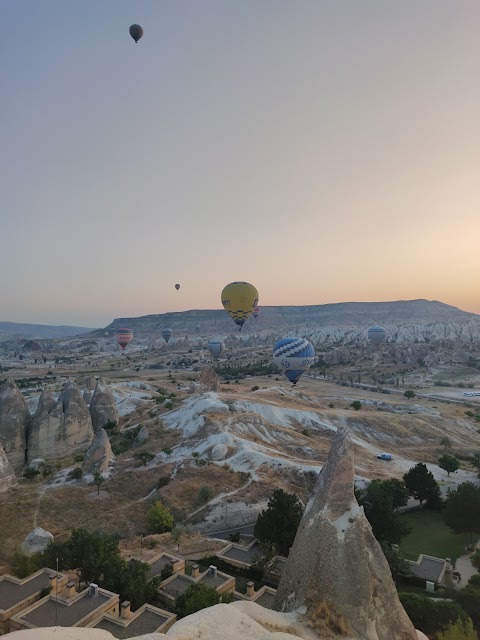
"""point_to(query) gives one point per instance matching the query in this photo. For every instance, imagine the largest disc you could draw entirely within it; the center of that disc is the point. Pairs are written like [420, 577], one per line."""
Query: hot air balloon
[293, 356]
[376, 334]
[256, 312]
[136, 32]
[177, 287]
[216, 347]
[239, 300]
[123, 337]
[166, 333]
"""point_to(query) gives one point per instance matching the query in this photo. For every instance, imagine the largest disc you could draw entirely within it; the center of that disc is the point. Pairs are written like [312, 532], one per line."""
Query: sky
[325, 151]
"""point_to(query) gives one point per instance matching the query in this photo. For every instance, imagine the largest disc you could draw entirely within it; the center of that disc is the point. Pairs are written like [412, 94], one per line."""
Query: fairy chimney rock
[103, 407]
[14, 424]
[62, 427]
[336, 569]
[99, 456]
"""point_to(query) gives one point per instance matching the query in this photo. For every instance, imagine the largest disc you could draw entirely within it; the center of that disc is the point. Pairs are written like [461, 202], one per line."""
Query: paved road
[223, 535]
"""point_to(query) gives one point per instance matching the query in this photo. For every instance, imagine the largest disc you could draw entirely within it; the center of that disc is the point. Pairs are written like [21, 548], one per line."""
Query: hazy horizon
[326, 152]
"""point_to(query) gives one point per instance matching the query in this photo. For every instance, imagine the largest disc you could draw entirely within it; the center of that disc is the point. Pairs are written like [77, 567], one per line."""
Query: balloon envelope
[239, 300]
[293, 356]
[256, 312]
[136, 32]
[216, 347]
[376, 334]
[123, 337]
[177, 287]
[166, 333]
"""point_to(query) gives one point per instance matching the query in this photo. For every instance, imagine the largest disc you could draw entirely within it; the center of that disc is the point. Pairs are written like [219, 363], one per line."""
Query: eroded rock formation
[99, 456]
[336, 567]
[7, 475]
[14, 424]
[103, 407]
[62, 427]
[37, 541]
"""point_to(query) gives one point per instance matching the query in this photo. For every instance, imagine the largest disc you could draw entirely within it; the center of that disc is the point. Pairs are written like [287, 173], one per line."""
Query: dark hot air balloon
[136, 32]
[177, 287]
[166, 333]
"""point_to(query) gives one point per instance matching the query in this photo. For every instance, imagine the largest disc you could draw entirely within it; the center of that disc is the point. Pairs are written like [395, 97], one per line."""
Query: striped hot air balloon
[293, 356]
[239, 299]
[123, 337]
[376, 334]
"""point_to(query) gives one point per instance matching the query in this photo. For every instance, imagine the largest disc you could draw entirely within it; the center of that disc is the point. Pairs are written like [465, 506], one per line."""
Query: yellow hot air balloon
[239, 300]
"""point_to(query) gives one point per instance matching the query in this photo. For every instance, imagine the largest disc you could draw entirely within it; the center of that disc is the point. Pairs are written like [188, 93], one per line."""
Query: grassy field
[431, 536]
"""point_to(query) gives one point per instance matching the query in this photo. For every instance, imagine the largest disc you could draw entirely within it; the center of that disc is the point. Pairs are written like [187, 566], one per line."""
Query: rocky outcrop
[103, 407]
[91, 383]
[37, 541]
[7, 475]
[99, 456]
[14, 424]
[208, 381]
[219, 451]
[336, 568]
[141, 437]
[60, 428]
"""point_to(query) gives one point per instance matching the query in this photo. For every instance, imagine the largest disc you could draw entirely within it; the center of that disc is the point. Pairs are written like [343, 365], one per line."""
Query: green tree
[476, 460]
[168, 452]
[30, 473]
[469, 600]
[398, 565]
[130, 580]
[475, 558]
[430, 616]
[357, 405]
[159, 518]
[419, 482]
[278, 523]
[379, 501]
[91, 553]
[446, 443]
[144, 456]
[205, 494]
[459, 630]
[409, 394]
[76, 474]
[24, 564]
[98, 480]
[449, 463]
[199, 596]
[462, 511]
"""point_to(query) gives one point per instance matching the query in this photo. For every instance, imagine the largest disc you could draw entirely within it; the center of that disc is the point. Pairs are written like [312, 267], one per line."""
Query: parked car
[384, 456]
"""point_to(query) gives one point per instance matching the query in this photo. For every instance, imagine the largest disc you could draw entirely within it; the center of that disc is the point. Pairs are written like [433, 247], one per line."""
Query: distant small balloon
[177, 287]
[376, 334]
[136, 32]
[216, 347]
[123, 337]
[166, 333]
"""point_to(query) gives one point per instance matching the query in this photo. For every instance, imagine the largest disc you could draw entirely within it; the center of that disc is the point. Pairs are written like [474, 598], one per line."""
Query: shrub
[409, 394]
[357, 405]
[159, 518]
[255, 388]
[205, 494]
[163, 481]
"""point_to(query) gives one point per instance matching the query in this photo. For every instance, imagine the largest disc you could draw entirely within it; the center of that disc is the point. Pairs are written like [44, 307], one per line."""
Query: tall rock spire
[336, 569]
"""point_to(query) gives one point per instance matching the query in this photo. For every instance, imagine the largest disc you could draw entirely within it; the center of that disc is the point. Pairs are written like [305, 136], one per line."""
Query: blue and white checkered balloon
[293, 356]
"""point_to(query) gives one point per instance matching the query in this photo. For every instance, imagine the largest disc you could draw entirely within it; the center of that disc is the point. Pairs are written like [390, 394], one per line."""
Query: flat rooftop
[214, 581]
[266, 600]
[146, 622]
[177, 586]
[11, 593]
[244, 555]
[67, 614]
[428, 569]
[158, 566]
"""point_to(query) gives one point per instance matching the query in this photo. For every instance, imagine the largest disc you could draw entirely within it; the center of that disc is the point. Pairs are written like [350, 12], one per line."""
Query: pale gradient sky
[324, 151]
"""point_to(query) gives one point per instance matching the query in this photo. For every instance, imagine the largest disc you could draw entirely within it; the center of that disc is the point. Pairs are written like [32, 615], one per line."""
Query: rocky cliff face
[336, 568]
[7, 475]
[14, 424]
[103, 407]
[62, 427]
